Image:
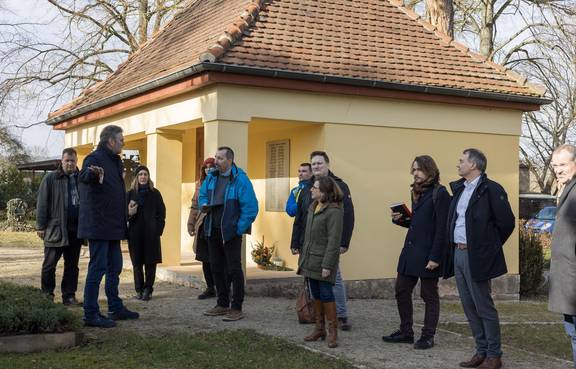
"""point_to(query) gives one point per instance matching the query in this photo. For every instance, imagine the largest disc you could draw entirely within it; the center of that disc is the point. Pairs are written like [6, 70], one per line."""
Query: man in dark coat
[562, 295]
[103, 223]
[480, 221]
[422, 253]
[320, 168]
[57, 224]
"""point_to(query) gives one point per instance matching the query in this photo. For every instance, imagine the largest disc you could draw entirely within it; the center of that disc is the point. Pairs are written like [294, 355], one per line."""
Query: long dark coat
[195, 223]
[146, 227]
[426, 237]
[103, 211]
[562, 294]
[489, 223]
[322, 242]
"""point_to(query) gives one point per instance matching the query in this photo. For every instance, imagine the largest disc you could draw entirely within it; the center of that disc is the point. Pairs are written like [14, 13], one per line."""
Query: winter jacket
[489, 223]
[145, 228]
[322, 242]
[240, 203]
[52, 208]
[292, 203]
[426, 237]
[103, 212]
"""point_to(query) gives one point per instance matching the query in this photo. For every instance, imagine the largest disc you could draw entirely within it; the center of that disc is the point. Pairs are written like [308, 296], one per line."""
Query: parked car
[544, 220]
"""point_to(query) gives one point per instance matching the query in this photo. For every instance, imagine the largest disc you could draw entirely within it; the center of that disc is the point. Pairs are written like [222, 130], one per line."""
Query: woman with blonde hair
[146, 220]
[320, 255]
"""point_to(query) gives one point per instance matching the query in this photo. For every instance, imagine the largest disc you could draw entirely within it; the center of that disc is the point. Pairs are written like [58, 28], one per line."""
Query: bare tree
[40, 70]
[440, 13]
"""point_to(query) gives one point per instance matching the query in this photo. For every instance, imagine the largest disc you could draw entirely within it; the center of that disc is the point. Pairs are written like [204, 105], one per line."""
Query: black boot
[399, 337]
[147, 294]
[208, 293]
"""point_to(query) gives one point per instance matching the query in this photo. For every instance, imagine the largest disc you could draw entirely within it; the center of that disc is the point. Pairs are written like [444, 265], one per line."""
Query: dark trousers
[105, 259]
[321, 290]
[144, 276]
[226, 265]
[208, 276]
[70, 278]
[429, 292]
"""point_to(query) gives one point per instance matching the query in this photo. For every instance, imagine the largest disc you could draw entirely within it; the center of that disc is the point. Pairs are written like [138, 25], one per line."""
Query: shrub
[531, 262]
[25, 310]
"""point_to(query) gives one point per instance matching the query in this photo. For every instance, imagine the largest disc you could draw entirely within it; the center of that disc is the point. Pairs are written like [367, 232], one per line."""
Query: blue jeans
[571, 331]
[340, 295]
[321, 290]
[105, 258]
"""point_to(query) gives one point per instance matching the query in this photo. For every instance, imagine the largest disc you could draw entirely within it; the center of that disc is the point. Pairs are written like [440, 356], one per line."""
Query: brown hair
[203, 174]
[428, 166]
[134, 185]
[331, 192]
[69, 151]
[320, 153]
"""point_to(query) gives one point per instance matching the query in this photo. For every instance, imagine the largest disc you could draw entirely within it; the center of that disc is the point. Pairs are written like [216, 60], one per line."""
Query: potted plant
[261, 254]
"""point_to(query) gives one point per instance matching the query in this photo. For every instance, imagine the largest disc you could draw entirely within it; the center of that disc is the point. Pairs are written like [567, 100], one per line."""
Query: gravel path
[176, 308]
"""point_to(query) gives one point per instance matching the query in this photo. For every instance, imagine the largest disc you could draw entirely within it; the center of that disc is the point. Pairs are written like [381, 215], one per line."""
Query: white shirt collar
[473, 183]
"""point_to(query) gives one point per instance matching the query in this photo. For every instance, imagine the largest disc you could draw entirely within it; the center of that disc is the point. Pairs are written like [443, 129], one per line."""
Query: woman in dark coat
[422, 253]
[146, 219]
[195, 222]
[320, 255]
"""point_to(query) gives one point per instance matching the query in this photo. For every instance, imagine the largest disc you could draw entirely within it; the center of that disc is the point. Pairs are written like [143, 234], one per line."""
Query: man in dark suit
[480, 221]
[102, 222]
[562, 295]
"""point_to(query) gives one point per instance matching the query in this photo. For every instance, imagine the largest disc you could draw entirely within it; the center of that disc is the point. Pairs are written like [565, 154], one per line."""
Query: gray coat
[562, 295]
[52, 208]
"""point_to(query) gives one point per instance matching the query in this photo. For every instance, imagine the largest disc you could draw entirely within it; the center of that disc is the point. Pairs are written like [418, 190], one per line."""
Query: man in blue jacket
[304, 184]
[228, 197]
[102, 222]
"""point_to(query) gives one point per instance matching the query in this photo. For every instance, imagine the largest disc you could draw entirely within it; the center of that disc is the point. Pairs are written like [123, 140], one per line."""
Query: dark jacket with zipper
[240, 204]
[489, 224]
[145, 228]
[321, 243]
[103, 213]
[304, 201]
[52, 208]
[426, 237]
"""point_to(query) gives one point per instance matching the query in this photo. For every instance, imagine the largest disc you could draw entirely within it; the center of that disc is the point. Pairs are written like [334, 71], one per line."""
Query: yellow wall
[188, 186]
[375, 163]
[304, 138]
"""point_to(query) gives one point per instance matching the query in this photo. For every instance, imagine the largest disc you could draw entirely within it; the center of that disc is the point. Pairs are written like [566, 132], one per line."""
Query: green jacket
[321, 248]
[51, 209]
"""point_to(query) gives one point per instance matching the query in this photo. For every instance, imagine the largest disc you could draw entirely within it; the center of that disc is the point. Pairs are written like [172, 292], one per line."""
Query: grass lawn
[224, 349]
[20, 239]
[547, 339]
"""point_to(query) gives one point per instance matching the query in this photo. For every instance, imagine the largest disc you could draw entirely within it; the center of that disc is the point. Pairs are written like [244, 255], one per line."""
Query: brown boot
[491, 363]
[320, 328]
[474, 362]
[330, 312]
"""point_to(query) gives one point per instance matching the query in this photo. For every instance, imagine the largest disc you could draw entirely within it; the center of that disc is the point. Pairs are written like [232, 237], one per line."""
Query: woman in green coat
[320, 255]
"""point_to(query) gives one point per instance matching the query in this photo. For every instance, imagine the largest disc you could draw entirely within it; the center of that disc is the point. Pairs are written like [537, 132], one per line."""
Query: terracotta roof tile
[379, 41]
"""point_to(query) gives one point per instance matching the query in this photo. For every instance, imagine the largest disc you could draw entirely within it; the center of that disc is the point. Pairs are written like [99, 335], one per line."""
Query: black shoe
[123, 314]
[209, 293]
[398, 337]
[100, 321]
[344, 325]
[424, 343]
[147, 294]
[138, 295]
[71, 301]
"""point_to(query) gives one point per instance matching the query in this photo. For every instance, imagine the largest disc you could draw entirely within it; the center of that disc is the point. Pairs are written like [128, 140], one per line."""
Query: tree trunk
[143, 21]
[440, 13]
[487, 29]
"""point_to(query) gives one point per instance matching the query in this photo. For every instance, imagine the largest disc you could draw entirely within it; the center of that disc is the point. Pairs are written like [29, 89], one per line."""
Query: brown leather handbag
[305, 305]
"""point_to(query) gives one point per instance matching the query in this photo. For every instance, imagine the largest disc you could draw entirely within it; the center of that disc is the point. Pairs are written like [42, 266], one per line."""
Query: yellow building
[373, 86]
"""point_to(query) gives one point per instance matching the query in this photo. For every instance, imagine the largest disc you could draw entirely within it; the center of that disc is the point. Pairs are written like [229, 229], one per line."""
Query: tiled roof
[376, 40]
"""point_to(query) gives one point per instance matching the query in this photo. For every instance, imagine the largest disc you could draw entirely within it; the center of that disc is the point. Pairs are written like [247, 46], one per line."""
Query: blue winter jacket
[240, 203]
[292, 203]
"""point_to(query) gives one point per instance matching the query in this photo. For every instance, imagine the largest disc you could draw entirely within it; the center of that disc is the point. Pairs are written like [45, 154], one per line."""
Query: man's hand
[191, 230]
[343, 250]
[132, 208]
[295, 251]
[325, 273]
[396, 216]
[432, 265]
[99, 171]
[41, 234]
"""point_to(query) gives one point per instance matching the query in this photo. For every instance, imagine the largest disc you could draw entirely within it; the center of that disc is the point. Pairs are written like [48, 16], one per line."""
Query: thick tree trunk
[487, 29]
[440, 13]
[143, 21]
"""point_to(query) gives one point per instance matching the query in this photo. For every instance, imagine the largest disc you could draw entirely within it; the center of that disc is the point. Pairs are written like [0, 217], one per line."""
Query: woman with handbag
[146, 220]
[320, 254]
[195, 222]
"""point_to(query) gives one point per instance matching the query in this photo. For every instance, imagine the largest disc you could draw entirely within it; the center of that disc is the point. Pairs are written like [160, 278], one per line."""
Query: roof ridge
[450, 41]
[234, 32]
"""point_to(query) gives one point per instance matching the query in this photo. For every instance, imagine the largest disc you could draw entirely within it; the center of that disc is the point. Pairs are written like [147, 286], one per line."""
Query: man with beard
[422, 252]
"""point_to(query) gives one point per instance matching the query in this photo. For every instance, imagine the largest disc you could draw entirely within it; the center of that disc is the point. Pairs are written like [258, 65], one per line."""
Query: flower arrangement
[261, 254]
